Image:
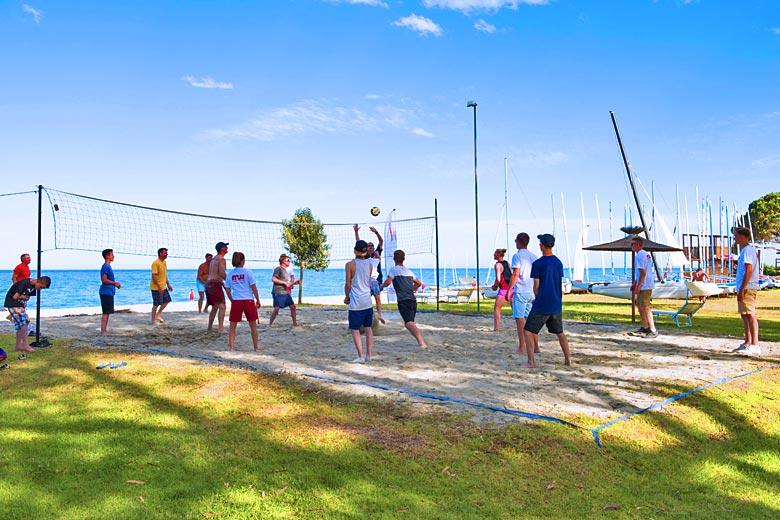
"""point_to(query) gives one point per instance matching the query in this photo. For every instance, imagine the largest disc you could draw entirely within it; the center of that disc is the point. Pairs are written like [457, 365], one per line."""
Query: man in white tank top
[357, 294]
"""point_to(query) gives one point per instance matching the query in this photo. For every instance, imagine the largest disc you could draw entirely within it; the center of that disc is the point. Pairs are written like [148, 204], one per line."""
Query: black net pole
[436, 226]
[38, 341]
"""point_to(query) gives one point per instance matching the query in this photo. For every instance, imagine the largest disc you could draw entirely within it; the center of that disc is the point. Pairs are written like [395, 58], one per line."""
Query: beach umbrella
[624, 244]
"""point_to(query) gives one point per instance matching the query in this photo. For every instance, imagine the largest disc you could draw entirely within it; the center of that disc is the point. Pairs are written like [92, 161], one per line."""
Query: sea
[79, 288]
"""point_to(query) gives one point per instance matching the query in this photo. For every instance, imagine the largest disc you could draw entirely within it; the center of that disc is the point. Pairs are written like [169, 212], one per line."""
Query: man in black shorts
[547, 274]
[405, 284]
[108, 287]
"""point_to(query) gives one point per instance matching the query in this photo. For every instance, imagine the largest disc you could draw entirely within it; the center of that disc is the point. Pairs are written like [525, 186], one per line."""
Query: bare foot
[567, 362]
[382, 320]
[520, 351]
[526, 365]
[537, 351]
[223, 331]
[424, 346]
[26, 348]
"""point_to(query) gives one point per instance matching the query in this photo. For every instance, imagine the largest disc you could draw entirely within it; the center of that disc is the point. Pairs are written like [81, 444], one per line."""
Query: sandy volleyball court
[613, 372]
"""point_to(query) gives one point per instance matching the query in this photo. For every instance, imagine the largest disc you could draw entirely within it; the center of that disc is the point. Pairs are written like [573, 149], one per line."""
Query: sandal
[22, 357]
[4, 366]
[104, 365]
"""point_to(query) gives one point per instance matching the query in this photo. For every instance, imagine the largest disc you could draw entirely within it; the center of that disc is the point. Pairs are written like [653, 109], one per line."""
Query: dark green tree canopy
[306, 242]
[765, 217]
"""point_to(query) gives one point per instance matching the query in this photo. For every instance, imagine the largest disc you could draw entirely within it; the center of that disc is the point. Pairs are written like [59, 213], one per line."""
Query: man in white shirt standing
[642, 287]
[523, 286]
[747, 289]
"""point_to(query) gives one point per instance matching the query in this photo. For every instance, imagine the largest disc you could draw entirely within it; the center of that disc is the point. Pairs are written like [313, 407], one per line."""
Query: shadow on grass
[209, 440]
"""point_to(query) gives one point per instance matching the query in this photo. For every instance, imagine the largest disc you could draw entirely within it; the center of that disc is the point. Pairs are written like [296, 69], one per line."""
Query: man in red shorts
[215, 296]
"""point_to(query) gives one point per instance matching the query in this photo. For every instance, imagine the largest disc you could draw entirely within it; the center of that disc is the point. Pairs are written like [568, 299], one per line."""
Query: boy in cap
[215, 296]
[546, 309]
[642, 287]
[357, 294]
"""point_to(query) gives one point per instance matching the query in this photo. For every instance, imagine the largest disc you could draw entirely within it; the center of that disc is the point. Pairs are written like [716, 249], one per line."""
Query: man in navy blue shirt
[547, 273]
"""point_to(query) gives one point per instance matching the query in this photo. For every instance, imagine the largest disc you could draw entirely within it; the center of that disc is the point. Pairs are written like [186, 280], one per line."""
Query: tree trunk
[300, 285]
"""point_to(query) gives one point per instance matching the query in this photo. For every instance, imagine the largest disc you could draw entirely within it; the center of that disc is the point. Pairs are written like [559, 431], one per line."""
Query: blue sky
[255, 109]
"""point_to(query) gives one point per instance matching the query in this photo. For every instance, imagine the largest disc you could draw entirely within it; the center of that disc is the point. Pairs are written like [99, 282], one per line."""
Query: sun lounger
[695, 299]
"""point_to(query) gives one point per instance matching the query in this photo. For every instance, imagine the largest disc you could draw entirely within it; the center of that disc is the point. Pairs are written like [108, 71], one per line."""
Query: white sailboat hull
[676, 290]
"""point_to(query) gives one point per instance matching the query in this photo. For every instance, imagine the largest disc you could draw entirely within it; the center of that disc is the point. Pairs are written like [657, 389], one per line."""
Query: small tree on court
[306, 242]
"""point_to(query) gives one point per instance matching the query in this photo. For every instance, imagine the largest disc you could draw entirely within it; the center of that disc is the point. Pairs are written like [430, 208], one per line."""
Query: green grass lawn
[172, 438]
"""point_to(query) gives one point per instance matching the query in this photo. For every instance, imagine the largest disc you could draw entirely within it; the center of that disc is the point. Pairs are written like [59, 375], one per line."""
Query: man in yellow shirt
[160, 286]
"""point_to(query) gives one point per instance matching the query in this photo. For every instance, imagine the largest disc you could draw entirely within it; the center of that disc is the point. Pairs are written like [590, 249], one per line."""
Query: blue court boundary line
[672, 399]
[595, 431]
[380, 387]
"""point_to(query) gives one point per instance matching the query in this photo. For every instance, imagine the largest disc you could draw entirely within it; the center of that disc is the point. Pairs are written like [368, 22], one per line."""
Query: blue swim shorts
[364, 318]
[282, 300]
[521, 304]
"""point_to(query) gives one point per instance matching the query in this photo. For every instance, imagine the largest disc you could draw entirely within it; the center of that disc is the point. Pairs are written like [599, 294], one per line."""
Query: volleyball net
[90, 224]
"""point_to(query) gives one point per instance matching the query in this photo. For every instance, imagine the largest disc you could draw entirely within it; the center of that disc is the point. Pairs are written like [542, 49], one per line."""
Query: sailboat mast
[633, 188]
[506, 204]
[566, 238]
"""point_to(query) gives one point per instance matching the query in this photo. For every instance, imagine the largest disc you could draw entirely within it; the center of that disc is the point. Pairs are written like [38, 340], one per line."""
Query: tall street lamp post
[473, 104]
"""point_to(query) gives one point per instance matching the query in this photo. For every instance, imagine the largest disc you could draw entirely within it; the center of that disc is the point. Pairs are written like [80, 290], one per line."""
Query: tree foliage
[306, 242]
[765, 217]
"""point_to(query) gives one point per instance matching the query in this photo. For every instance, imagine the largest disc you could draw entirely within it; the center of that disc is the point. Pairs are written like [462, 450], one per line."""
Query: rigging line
[17, 193]
[528, 205]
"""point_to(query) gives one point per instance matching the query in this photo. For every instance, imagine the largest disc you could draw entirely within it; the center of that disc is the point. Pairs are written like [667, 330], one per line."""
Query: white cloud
[419, 24]
[422, 133]
[376, 3]
[35, 12]
[207, 83]
[527, 157]
[481, 5]
[765, 163]
[483, 26]
[319, 117]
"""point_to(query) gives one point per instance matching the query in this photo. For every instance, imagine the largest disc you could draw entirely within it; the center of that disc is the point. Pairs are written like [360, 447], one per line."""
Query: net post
[436, 226]
[40, 343]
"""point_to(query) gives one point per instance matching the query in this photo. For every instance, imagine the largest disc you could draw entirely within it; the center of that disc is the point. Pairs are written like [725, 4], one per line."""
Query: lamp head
[471, 104]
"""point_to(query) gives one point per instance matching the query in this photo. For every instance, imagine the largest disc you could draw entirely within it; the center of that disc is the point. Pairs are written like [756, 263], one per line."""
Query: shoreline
[140, 308]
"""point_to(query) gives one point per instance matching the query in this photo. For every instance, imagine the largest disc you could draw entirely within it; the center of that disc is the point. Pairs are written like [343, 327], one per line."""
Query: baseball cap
[547, 240]
[220, 245]
[361, 247]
